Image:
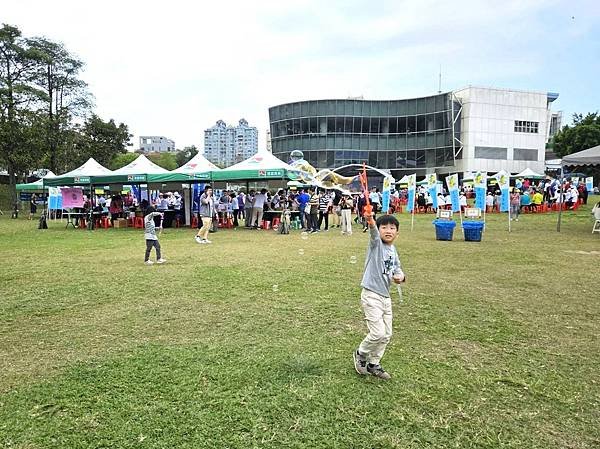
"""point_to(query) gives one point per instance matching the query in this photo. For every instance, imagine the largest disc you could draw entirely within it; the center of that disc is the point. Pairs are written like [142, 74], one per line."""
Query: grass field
[496, 345]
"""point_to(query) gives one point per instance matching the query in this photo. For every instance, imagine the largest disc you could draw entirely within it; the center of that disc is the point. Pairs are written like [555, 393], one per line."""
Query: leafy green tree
[186, 155]
[18, 97]
[100, 140]
[122, 159]
[167, 161]
[64, 95]
[583, 134]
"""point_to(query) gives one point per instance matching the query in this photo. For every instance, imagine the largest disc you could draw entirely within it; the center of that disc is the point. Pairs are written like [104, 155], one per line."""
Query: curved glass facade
[396, 134]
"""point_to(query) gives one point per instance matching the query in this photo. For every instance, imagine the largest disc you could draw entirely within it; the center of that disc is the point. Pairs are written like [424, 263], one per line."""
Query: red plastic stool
[82, 223]
[105, 223]
[130, 222]
[194, 221]
[138, 222]
[266, 224]
[276, 221]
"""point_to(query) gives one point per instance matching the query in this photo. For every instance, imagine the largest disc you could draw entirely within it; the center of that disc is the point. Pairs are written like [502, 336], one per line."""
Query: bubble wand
[368, 209]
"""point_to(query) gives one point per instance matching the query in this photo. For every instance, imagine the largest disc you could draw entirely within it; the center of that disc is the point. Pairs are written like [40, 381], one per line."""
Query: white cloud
[175, 68]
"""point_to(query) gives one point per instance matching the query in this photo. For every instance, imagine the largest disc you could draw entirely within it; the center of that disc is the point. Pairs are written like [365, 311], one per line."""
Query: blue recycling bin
[444, 229]
[473, 230]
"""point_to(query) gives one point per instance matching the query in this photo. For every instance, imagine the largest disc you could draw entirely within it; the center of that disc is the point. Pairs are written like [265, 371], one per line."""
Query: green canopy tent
[37, 186]
[81, 176]
[263, 166]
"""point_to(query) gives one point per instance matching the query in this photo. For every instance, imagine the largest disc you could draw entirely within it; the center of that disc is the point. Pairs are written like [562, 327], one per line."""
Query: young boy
[150, 236]
[381, 268]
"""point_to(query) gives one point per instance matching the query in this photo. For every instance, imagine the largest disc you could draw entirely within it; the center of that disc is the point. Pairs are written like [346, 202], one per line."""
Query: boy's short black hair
[149, 210]
[387, 220]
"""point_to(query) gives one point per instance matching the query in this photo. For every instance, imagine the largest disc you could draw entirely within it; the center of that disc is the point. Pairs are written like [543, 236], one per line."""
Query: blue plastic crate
[444, 229]
[473, 231]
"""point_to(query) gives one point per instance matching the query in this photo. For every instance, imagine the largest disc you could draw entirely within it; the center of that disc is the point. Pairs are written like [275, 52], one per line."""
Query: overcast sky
[174, 68]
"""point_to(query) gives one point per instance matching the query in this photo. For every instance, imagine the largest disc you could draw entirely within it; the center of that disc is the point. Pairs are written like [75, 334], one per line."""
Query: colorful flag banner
[504, 184]
[432, 189]
[386, 193]
[480, 186]
[412, 185]
[452, 183]
[71, 197]
[589, 183]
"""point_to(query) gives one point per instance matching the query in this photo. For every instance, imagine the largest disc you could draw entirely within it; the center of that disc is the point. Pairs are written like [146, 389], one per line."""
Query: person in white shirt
[441, 201]
[235, 208]
[489, 202]
[462, 201]
[257, 209]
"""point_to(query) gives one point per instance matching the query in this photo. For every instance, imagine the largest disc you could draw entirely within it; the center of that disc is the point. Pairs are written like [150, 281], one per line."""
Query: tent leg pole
[560, 197]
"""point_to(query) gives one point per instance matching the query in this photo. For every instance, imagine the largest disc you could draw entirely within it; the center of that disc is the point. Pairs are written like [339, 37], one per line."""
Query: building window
[525, 154]
[522, 126]
[490, 153]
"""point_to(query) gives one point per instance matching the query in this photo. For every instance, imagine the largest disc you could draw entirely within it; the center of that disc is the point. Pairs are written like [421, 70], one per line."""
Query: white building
[226, 145]
[156, 144]
[502, 129]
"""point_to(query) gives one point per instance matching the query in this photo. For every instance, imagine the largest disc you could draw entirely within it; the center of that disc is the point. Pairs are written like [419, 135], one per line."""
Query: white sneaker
[198, 239]
[207, 241]
[149, 262]
[161, 260]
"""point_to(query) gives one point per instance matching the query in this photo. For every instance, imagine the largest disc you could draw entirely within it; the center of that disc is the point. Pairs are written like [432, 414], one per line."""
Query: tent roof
[140, 166]
[591, 156]
[263, 160]
[36, 185]
[90, 168]
[528, 173]
[196, 165]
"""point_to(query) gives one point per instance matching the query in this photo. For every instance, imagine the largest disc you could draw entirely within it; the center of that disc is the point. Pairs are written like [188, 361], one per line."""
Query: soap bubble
[352, 259]
[304, 235]
[301, 252]
[275, 287]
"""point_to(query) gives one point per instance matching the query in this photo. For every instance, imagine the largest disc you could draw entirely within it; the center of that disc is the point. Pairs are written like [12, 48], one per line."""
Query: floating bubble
[301, 252]
[352, 259]
[304, 235]
[275, 287]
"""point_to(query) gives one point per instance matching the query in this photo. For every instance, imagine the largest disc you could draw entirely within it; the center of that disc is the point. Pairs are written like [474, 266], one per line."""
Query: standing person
[335, 210]
[207, 211]
[302, 200]
[346, 205]
[324, 205]
[375, 199]
[150, 236]
[382, 267]
[32, 206]
[313, 205]
[515, 204]
[249, 206]
[235, 208]
[257, 210]
[241, 204]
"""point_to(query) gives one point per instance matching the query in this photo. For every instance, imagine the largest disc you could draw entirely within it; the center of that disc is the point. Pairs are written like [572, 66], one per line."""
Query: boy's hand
[398, 278]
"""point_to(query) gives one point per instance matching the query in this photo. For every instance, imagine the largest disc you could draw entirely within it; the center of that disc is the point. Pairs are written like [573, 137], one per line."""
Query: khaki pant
[378, 315]
[206, 224]
[347, 221]
[257, 214]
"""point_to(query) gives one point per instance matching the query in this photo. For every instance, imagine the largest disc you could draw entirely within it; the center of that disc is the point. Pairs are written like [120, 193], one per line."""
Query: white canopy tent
[198, 164]
[528, 174]
[140, 166]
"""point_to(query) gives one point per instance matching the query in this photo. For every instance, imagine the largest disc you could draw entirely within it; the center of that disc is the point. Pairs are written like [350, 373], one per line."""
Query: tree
[122, 159]
[64, 95]
[164, 160]
[186, 155]
[17, 96]
[100, 140]
[584, 134]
